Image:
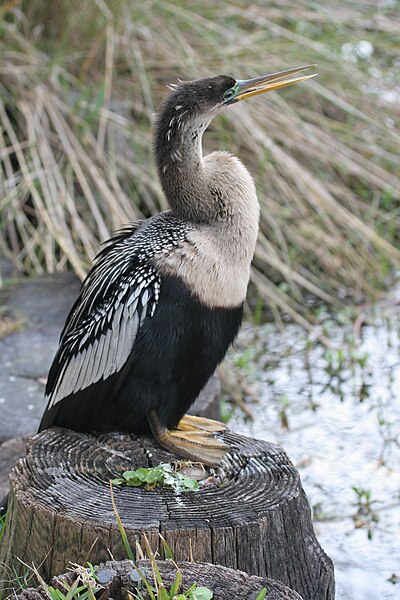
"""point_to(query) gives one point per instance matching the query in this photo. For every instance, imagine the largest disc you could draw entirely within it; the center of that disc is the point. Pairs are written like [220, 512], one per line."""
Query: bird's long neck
[180, 164]
[218, 193]
[216, 190]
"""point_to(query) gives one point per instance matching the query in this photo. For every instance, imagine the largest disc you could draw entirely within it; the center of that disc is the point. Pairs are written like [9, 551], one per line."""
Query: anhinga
[164, 298]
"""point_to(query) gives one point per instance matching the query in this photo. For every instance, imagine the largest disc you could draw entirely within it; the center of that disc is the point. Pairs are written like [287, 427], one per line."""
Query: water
[337, 414]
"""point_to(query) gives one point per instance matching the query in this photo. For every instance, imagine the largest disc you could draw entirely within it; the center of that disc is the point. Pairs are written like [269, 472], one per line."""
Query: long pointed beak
[246, 88]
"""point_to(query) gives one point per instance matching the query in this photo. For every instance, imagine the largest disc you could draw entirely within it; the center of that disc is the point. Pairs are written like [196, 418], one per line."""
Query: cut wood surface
[118, 578]
[258, 520]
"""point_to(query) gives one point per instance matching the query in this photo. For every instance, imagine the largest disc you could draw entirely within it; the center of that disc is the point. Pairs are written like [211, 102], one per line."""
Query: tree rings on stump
[258, 520]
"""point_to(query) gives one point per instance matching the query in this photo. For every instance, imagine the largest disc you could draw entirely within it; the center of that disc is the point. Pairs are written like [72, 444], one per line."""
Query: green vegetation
[86, 583]
[366, 516]
[3, 519]
[164, 474]
[121, 528]
[156, 590]
[335, 359]
[79, 82]
[84, 587]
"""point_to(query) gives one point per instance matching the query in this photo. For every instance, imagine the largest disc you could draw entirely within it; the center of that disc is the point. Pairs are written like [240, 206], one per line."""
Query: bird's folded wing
[102, 327]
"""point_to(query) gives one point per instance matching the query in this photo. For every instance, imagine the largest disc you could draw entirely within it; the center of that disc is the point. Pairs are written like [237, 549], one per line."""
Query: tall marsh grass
[79, 84]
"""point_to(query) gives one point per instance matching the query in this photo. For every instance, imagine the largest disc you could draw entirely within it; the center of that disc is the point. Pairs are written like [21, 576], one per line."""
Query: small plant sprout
[150, 477]
[84, 587]
[157, 590]
[365, 517]
[283, 405]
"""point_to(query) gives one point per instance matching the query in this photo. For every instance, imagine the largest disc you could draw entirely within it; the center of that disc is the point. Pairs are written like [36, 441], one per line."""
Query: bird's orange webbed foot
[192, 439]
[200, 424]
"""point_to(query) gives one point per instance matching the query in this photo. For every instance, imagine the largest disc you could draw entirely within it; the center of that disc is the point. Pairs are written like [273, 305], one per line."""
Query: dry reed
[79, 83]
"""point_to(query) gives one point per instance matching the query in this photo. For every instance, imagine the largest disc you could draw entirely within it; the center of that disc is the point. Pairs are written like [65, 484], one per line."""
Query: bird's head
[185, 114]
[202, 99]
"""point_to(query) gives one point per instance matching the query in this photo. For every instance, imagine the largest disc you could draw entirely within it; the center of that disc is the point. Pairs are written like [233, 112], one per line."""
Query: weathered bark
[118, 579]
[258, 521]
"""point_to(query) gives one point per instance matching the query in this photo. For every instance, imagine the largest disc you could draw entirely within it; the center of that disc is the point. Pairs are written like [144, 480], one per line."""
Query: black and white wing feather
[119, 293]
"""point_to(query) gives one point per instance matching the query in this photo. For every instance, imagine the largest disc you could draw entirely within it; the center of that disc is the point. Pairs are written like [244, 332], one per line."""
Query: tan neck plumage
[214, 261]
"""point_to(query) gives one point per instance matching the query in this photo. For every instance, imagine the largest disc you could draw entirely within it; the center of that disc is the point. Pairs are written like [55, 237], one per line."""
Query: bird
[164, 298]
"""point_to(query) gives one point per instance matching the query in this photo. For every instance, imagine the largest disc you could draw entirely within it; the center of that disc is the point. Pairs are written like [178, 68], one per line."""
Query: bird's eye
[228, 95]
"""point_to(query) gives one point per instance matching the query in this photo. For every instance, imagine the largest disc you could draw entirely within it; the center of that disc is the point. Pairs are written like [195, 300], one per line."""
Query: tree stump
[120, 577]
[258, 520]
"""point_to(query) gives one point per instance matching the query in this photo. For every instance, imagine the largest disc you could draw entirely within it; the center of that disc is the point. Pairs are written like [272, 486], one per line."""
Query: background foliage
[79, 84]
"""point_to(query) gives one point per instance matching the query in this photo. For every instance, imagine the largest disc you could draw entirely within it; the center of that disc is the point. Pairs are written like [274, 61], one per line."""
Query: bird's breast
[211, 266]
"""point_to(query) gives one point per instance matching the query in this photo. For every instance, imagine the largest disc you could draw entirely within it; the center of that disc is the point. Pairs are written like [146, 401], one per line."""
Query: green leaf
[262, 594]
[134, 482]
[54, 593]
[162, 593]
[201, 593]
[167, 549]
[189, 483]
[176, 585]
[129, 474]
[154, 475]
[121, 528]
[118, 481]
[73, 590]
[149, 589]
[142, 473]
